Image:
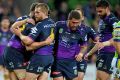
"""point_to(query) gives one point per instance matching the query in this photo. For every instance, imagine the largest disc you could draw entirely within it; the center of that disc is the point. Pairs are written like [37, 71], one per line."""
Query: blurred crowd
[9, 9]
[59, 9]
[9, 12]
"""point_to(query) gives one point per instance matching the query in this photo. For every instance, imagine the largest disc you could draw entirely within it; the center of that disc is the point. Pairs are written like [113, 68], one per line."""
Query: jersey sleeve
[57, 27]
[21, 18]
[91, 33]
[83, 40]
[113, 20]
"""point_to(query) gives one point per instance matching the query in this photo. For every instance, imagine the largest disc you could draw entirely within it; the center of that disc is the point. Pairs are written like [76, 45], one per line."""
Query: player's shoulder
[112, 18]
[58, 23]
[83, 26]
[45, 23]
[22, 17]
[29, 25]
[51, 20]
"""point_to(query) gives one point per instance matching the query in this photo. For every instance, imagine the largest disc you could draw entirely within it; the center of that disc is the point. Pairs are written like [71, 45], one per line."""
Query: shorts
[13, 59]
[82, 66]
[28, 55]
[40, 63]
[103, 62]
[1, 60]
[116, 73]
[66, 68]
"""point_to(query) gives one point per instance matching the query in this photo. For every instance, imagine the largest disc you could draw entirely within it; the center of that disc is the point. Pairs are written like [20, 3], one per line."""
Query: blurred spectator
[117, 11]
[9, 9]
[43, 1]
[79, 7]
[5, 33]
[89, 10]
[63, 11]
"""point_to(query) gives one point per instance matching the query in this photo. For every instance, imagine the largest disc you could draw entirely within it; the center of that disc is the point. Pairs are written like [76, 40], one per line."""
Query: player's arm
[27, 40]
[92, 34]
[36, 45]
[100, 45]
[19, 23]
[48, 41]
[83, 49]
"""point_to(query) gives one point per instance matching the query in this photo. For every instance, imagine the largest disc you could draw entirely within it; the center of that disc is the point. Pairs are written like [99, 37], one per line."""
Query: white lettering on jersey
[49, 25]
[33, 30]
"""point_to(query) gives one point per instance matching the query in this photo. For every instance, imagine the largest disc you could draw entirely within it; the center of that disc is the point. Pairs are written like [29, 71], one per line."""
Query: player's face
[74, 23]
[102, 12]
[38, 14]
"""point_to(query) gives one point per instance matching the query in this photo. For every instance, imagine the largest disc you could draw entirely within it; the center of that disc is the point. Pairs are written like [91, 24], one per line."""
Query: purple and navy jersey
[15, 41]
[67, 40]
[88, 33]
[40, 33]
[105, 31]
[4, 39]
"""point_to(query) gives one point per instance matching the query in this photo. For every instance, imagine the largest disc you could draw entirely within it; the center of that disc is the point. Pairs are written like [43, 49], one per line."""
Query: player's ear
[82, 18]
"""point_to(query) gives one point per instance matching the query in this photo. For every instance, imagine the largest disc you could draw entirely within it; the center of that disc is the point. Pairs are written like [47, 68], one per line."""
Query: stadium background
[59, 11]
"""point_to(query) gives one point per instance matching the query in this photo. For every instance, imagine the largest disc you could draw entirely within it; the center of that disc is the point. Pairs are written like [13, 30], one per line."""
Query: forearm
[25, 39]
[108, 43]
[36, 45]
[17, 24]
[83, 49]
[93, 50]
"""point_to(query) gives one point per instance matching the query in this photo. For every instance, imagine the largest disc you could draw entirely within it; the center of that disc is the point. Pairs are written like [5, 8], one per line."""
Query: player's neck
[108, 13]
[44, 17]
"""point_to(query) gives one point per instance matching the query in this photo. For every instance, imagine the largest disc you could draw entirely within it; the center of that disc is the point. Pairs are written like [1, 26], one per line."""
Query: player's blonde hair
[44, 8]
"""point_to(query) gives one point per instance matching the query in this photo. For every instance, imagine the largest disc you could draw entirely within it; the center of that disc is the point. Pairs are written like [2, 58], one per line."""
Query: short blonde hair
[44, 8]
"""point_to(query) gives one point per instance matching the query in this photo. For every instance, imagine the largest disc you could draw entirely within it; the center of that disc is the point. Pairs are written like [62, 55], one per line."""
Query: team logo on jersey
[33, 30]
[40, 69]
[101, 26]
[60, 30]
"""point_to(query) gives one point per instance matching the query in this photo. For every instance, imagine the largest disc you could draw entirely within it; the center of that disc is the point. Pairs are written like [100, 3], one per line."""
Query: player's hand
[49, 40]
[79, 57]
[17, 31]
[99, 45]
[33, 46]
[30, 20]
[86, 56]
